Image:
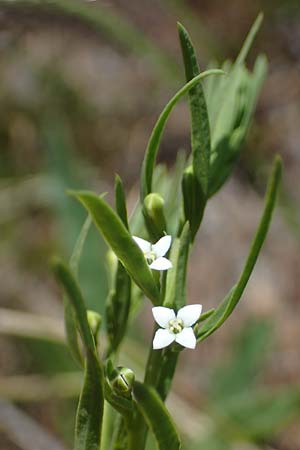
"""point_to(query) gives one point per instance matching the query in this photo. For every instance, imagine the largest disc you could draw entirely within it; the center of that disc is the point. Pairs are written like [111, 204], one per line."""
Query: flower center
[175, 326]
[150, 257]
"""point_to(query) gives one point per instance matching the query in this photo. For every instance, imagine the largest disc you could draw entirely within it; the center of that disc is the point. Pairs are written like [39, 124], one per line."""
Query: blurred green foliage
[243, 408]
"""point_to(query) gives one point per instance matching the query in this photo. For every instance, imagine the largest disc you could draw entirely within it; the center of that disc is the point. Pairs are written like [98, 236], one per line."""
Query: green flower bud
[123, 381]
[154, 215]
[193, 199]
[95, 321]
[112, 260]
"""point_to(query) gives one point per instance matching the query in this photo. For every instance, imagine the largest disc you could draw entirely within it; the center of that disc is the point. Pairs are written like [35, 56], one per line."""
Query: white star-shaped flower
[154, 253]
[174, 327]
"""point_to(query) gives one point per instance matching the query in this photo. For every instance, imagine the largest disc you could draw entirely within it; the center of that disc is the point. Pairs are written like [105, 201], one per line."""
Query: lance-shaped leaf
[90, 408]
[72, 290]
[233, 124]
[249, 40]
[233, 297]
[69, 316]
[176, 278]
[154, 141]
[117, 236]
[232, 105]
[118, 301]
[157, 417]
[200, 123]
[118, 307]
[120, 201]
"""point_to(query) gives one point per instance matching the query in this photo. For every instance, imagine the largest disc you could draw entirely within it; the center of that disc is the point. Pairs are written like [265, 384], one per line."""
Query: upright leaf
[77, 251]
[69, 316]
[154, 141]
[120, 201]
[72, 290]
[118, 300]
[249, 40]
[117, 236]
[90, 408]
[199, 115]
[157, 417]
[176, 278]
[71, 331]
[118, 307]
[233, 297]
[232, 106]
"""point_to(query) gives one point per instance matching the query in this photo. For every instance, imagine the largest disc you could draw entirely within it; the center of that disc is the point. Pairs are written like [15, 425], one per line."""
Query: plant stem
[137, 430]
[106, 427]
[137, 433]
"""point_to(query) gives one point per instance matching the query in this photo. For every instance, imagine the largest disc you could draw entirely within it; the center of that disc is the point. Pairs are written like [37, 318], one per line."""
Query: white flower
[175, 328]
[155, 253]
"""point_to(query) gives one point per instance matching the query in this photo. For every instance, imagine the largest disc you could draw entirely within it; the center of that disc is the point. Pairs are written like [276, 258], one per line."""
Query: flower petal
[163, 315]
[162, 339]
[161, 264]
[145, 246]
[186, 338]
[189, 314]
[162, 246]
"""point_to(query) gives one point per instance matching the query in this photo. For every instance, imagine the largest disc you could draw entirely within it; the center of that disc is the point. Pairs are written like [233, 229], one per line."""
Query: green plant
[139, 268]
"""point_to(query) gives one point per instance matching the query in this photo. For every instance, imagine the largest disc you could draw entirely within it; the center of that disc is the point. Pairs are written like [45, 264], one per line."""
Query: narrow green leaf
[237, 113]
[120, 241]
[157, 417]
[118, 307]
[72, 290]
[77, 251]
[176, 278]
[71, 331]
[199, 115]
[118, 301]
[254, 87]
[249, 40]
[69, 316]
[231, 110]
[154, 141]
[233, 297]
[90, 408]
[206, 315]
[120, 201]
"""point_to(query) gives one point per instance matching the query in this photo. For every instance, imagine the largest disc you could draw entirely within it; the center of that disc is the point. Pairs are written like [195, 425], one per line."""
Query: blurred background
[81, 85]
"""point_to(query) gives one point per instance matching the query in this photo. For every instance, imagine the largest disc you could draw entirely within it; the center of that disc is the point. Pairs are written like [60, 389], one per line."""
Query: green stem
[137, 433]
[120, 435]
[137, 429]
[153, 367]
[106, 427]
[167, 372]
